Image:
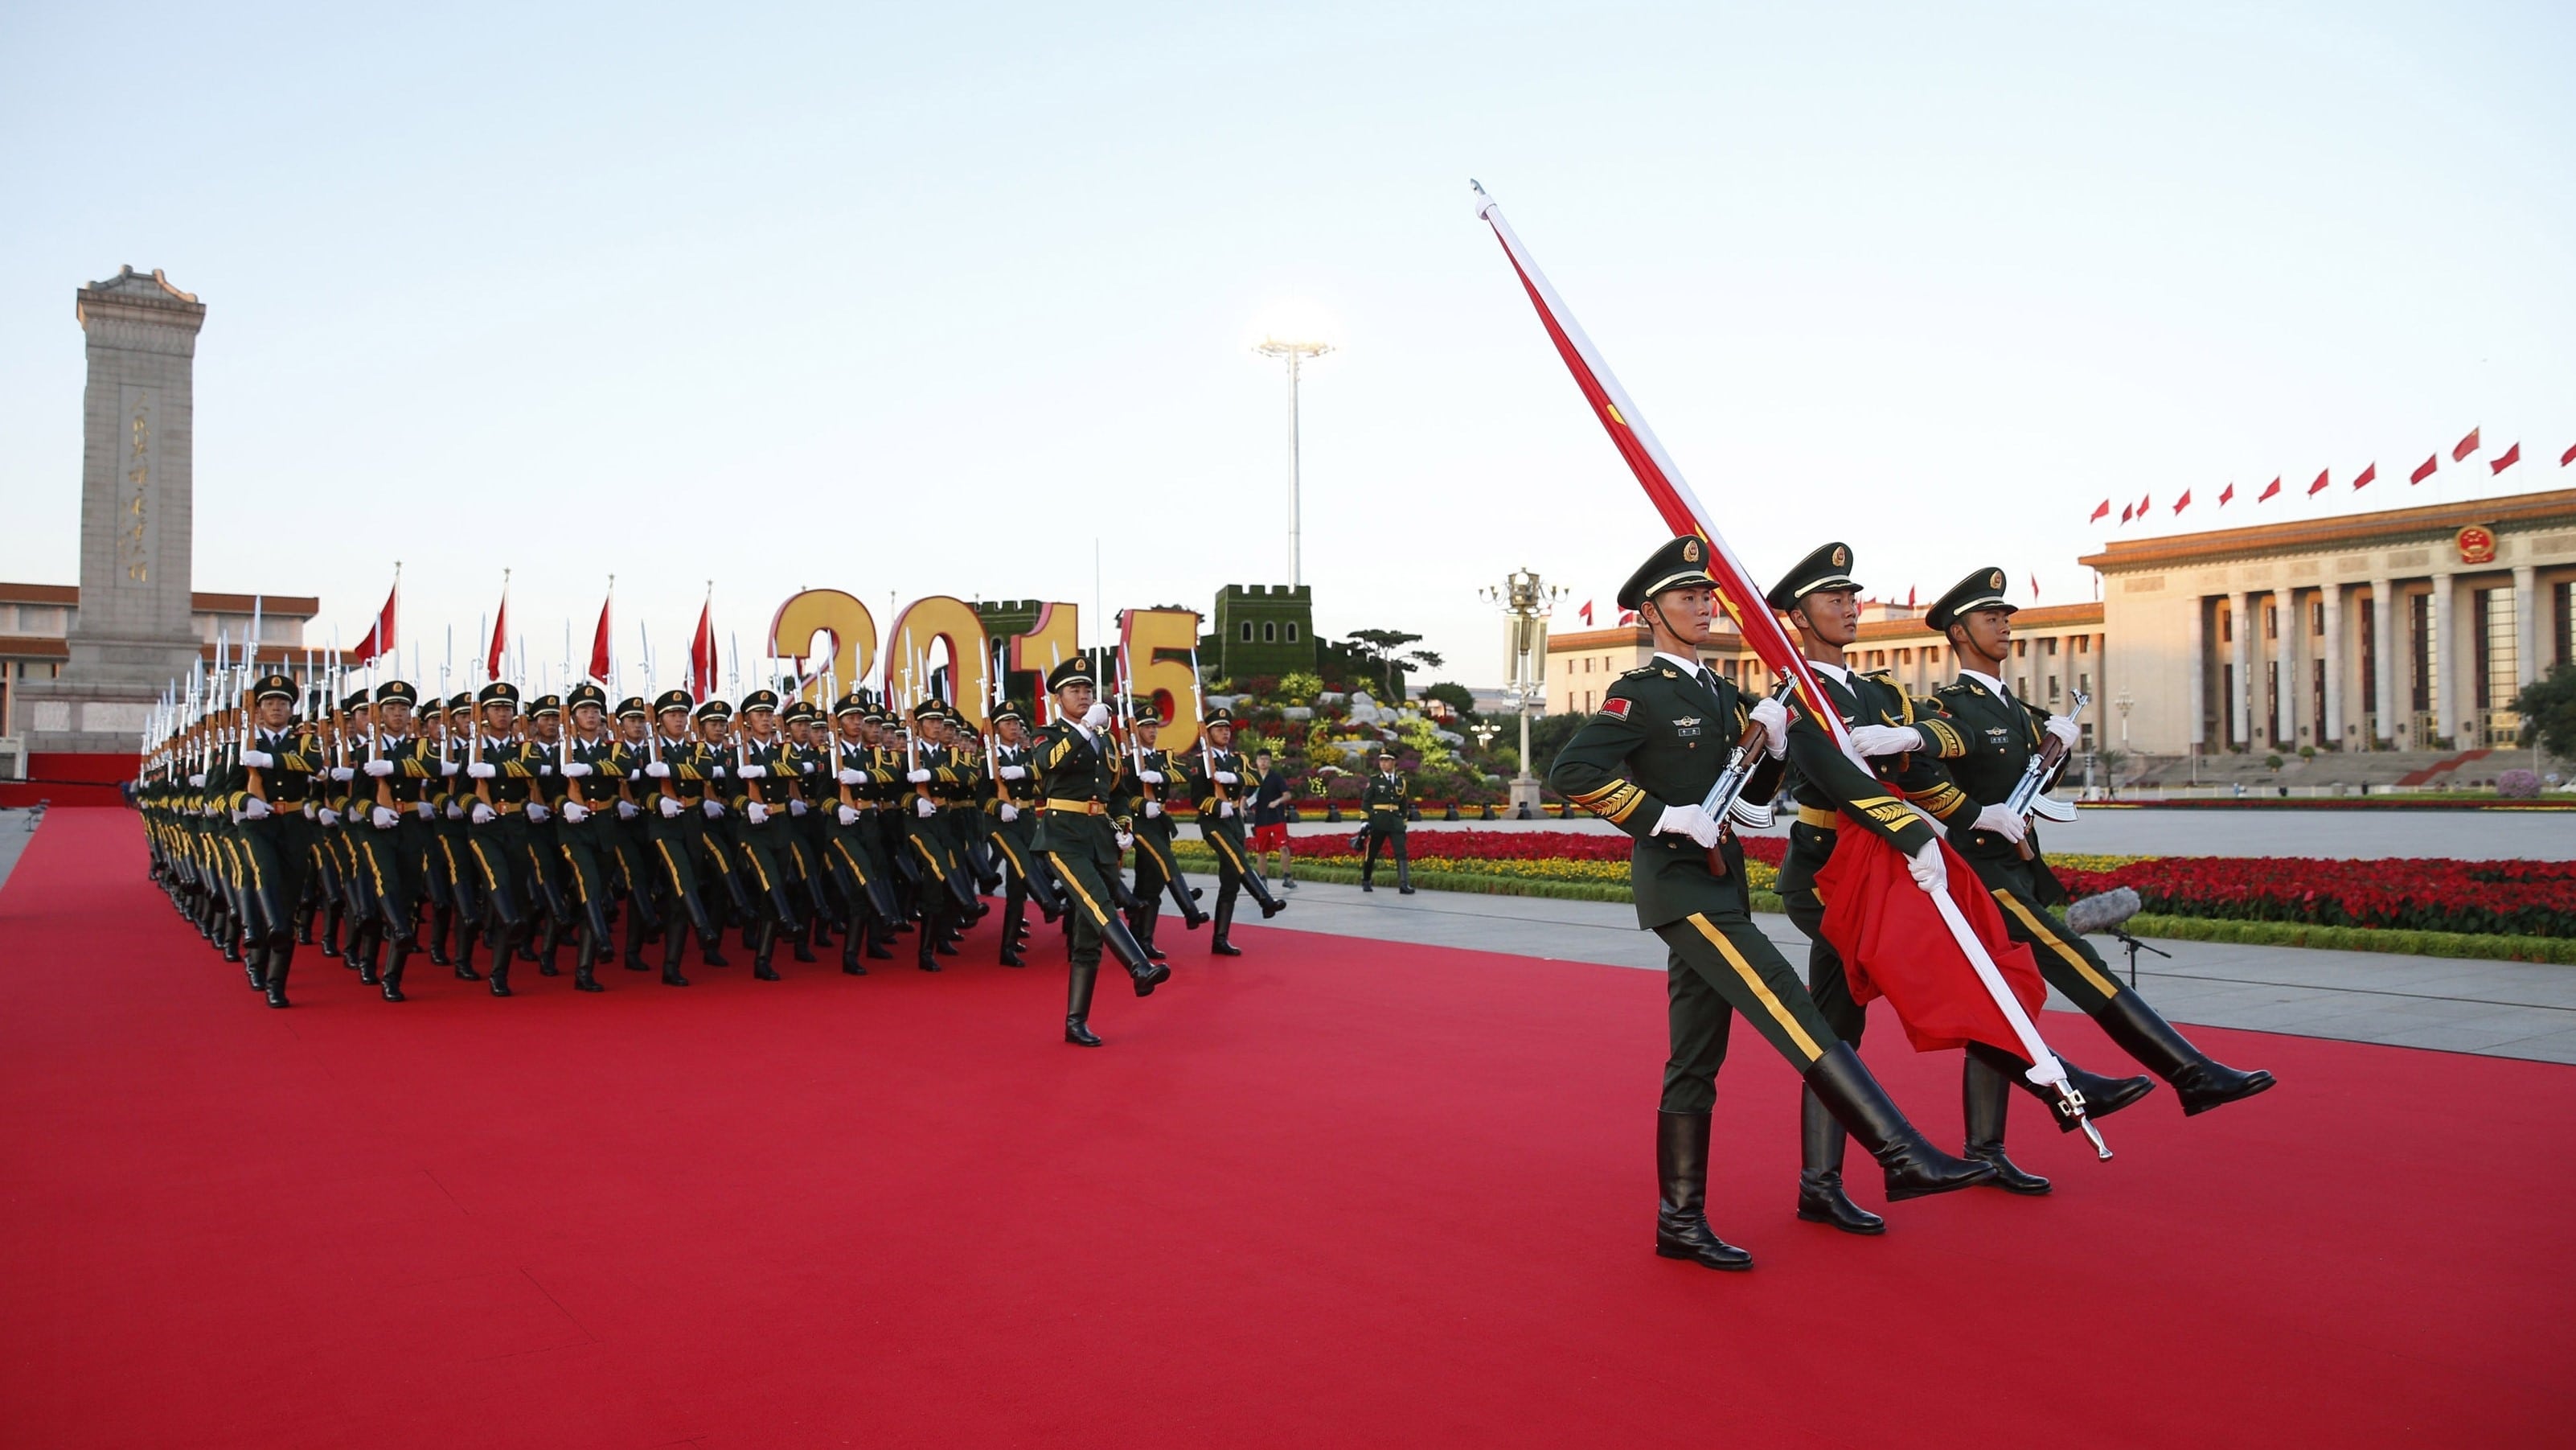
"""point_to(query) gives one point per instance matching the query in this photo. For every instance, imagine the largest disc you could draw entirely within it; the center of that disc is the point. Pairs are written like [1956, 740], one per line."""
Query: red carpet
[1333, 1193]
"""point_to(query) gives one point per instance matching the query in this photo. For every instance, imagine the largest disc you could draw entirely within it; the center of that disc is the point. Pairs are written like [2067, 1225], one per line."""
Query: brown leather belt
[1079, 808]
[1820, 818]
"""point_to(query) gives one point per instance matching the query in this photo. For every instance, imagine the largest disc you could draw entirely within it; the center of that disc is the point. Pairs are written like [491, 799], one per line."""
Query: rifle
[1726, 797]
[2026, 796]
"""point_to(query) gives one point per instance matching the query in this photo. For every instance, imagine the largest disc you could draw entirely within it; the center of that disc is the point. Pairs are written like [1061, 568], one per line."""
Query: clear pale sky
[909, 300]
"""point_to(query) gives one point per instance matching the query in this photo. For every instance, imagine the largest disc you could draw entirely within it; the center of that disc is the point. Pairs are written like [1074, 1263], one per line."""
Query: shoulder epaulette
[1643, 670]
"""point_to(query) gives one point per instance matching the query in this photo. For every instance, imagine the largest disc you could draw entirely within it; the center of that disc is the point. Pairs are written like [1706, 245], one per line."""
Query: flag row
[2460, 453]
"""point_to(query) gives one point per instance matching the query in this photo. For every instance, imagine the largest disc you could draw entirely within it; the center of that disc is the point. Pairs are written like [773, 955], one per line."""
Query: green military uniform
[678, 770]
[763, 784]
[854, 846]
[632, 834]
[809, 827]
[1219, 792]
[470, 908]
[547, 872]
[501, 776]
[1388, 800]
[1644, 762]
[1012, 810]
[591, 771]
[1077, 777]
[1150, 777]
[399, 836]
[271, 777]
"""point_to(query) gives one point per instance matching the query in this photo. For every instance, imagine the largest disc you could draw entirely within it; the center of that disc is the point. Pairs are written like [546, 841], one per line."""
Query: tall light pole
[1296, 353]
[1526, 601]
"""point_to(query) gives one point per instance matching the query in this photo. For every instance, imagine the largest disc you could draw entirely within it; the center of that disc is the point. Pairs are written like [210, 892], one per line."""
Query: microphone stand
[2135, 946]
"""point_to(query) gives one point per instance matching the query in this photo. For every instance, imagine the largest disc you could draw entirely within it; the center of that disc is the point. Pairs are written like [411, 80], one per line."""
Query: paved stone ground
[16, 825]
[2500, 1009]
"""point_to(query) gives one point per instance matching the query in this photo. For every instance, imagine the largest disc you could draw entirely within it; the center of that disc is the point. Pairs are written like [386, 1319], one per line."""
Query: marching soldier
[454, 839]
[720, 837]
[2000, 734]
[545, 858]
[265, 792]
[1218, 788]
[856, 847]
[680, 769]
[1644, 762]
[502, 775]
[592, 765]
[810, 826]
[631, 835]
[1014, 832]
[946, 893]
[763, 781]
[1834, 793]
[1158, 873]
[404, 774]
[1388, 799]
[1078, 773]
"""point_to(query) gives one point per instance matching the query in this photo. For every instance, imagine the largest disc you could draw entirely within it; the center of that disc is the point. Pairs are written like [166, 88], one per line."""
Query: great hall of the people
[2408, 629]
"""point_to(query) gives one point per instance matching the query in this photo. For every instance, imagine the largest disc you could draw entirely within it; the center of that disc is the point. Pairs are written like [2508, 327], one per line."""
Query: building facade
[1261, 629]
[37, 621]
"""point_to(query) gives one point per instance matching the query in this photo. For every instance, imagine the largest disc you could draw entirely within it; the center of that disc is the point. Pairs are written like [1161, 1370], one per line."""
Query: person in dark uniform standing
[503, 777]
[1150, 775]
[1388, 799]
[1014, 817]
[766, 851]
[861, 781]
[1218, 789]
[1078, 775]
[680, 769]
[592, 767]
[1644, 762]
[1893, 733]
[273, 777]
[2002, 733]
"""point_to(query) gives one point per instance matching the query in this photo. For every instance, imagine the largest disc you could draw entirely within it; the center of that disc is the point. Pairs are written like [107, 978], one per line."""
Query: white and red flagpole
[1683, 513]
[601, 661]
[493, 653]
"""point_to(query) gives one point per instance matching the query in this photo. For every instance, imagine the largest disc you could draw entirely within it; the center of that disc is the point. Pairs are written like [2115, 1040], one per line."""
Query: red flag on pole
[2226, 494]
[2101, 511]
[702, 652]
[1909, 589]
[2319, 486]
[1874, 911]
[2269, 489]
[2034, 589]
[2143, 501]
[380, 639]
[1627, 618]
[1586, 612]
[2362, 479]
[599, 661]
[500, 633]
[2425, 469]
[2465, 446]
[2127, 512]
[2511, 457]
[2567, 457]
[2183, 502]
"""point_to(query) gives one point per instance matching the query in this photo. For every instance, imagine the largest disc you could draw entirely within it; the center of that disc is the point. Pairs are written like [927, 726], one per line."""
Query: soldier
[763, 784]
[946, 893]
[678, 770]
[265, 792]
[388, 771]
[502, 771]
[630, 834]
[809, 828]
[1219, 788]
[454, 838]
[1014, 832]
[1158, 874]
[720, 834]
[545, 859]
[1644, 762]
[1388, 800]
[855, 848]
[1835, 793]
[2000, 734]
[592, 765]
[1077, 774]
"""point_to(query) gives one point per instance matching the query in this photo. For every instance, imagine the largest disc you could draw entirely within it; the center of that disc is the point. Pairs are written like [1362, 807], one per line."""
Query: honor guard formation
[378, 827]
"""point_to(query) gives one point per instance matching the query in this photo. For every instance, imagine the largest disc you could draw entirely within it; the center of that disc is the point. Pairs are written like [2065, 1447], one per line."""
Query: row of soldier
[389, 829]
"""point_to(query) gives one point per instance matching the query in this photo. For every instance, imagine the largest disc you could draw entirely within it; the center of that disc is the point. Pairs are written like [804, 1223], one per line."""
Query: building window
[2271, 621]
[2370, 660]
[2317, 617]
[1269, 631]
[1292, 631]
[2227, 626]
[1247, 631]
[2054, 693]
[2419, 637]
[2084, 644]
[2566, 621]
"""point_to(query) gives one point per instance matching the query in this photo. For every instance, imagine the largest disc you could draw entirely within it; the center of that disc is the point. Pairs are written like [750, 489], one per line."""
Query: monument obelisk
[134, 632]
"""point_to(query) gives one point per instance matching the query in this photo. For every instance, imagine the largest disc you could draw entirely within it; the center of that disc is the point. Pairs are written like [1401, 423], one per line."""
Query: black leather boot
[927, 940]
[1403, 875]
[254, 960]
[634, 958]
[232, 943]
[467, 934]
[584, 949]
[503, 938]
[1821, 1198]
[2199, 1081]
[761, 970]
[1270, 905]
[850, 947]
[544, 955]
[1077, 1007]
[801, 945]
[438, 917]
[1188, 901]
[1914, 1168]
[2103, 1096]
[1143, 970]
[364, 943]
[281, 953]
[1140, 925]
[674, 941]
[1681, 1219]
[330, 930]
[1985, 1097]
[1219, 944]
[391, 981]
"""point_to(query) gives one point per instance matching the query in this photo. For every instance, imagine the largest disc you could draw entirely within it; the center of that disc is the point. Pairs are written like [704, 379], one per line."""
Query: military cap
[669, 700]
[499, 692]
[1386, 755]
[801, 710]
[1829, 567]
[715, 710]
[354, 703]
[585, 693]
[853, 703]
[274, 687]
[546, 705]
[1982, 589]
[462, 703]
[1145, 714]
[1011, 710]
[760, 700]
[396, 691]
[1680, 564]
[633, 708]
[930, 710]
[1218, 715]
[1075, 671]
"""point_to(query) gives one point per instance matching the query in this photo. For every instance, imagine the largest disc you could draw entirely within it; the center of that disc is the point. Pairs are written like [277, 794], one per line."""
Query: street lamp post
[2124, 701]
[1526, 601]
[1295, 353]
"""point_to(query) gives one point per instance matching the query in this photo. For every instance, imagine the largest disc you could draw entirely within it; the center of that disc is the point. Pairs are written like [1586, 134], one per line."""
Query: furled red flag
[2101, 511]
[702, 653]
[2465, 446]
[1963, 992]
[2143, 501]
[2269, 489]
[2567, 457]
[2425, 469]
[599, 661]
[2183, 502]
[1627, 618]
[2127, 512]
[1909, 589]
[380, 640]
[500, 634]
[2319, 486]
[1586, 612]
[2362, 479]
[2511, 457]
[2034, 589]
[2225, 495]
[1877, 916]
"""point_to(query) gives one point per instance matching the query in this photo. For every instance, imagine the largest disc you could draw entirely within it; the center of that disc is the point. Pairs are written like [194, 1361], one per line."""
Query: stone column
[2526, 626]
[2196, 683]
[2383, 661]
[2446, 663]
[2333, 598]
[2242, 624]
[2285, 708]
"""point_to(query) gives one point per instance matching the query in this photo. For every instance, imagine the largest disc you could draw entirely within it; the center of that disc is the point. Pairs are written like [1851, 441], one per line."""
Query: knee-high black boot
[761, 970]
[1913, 1166]
[1270, 905]
[439, 917]
[635, 931]
[801, 945]
[2198, 1080]
[281, 954]
[1143, 970]
[544, 955]
[503, 937]
[674, 941]
[1821, 1197]
[1681, 1217]
[933, 923]
[2103, 1096]
[390, 981]
[585, 946]
[1187, 900]
[1985, 1098]
[1219, 944]
[1141, 923]
[330, 929]
[1077, 1007]
[469, 930]
[365, 939]
[851, 946]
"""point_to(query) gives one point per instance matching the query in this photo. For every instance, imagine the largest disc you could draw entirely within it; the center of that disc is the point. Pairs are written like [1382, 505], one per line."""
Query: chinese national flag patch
[1616, 707]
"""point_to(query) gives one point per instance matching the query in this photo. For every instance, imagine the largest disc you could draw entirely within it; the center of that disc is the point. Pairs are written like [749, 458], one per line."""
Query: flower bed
[2525, 898]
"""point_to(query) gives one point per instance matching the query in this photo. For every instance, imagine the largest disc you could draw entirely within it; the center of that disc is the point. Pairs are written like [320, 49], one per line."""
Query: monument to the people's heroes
[133, 633]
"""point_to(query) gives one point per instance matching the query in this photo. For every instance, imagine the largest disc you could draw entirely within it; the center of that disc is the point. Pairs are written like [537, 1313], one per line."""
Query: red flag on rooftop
[702, 650]
[2183, 502]
[2465, 446]
[2034, 589]
[2425, 469]
[1586, 612]
[2128, 511]
[2269, 489]
[2101, 511]
[2362, 479]
[500, 633]
[599, 661]
[2567, 457]
[2511, 457]
[380, 639]
[2319, 486]
[2226, 495]
[1909, 589]
[2144, 501]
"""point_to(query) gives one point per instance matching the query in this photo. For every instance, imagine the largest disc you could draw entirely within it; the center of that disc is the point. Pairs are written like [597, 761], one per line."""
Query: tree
[2548, 710]
[1384, 651]
[1456, 697]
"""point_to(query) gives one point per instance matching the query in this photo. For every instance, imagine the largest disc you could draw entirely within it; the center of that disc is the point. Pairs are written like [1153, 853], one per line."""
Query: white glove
[849, 815]
[196, 782]
[1150, 777]
[258, 759]
[455, 811]
[1886, 739]
[918, 777]
[670, 808]
[756, 813]
[329, 816]
[714, 809]
[1928, 869]
[447, 767]
[1021, 772]
[922, 807]
[626, 810]
[2065, 729]
[850, 777]
[379, 768]
[254, 809]
[1226, 777]
[1097, 717]
[1153, 808]
[2004, 821]
[538, 813]
[383, 818]
[1225, 808]
[720, 772]
[1773, 717]
[1010, 812]
[1689, 821]
[427, 810]
[342, 773]
[753, 772]
[575, 812]
[1126, 840]
[482, 814]
[575, 770]
[657, 770]
[482, 770]
[795, 808]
